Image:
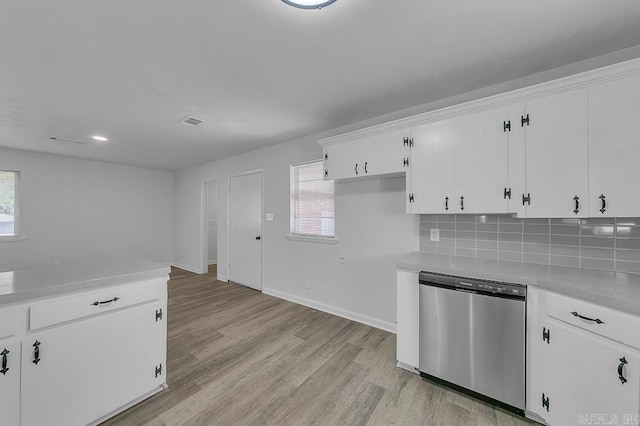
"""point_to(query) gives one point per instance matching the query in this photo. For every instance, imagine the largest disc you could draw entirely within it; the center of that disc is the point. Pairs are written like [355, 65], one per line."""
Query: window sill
[11, 239]
[309, 239]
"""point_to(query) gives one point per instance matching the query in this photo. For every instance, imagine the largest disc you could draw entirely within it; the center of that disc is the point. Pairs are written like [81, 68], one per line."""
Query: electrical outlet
[342, 257]
[307, 283]
[434, 234]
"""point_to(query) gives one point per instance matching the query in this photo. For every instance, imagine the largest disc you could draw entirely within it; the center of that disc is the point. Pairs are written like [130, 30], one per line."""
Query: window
[312, 201]
[8, 203]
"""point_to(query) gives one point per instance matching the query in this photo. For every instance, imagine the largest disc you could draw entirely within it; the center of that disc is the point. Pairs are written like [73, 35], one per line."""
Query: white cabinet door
[481, 158]
[432, 168]
[375, 155]
[10, 383]
[385, 153]
[90, 368]
[407, 319]
[581, 376]
[340, 161]
[557, 155]
[614, 148]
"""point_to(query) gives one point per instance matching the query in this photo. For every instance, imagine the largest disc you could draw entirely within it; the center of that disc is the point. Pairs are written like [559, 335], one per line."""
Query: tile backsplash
[602, 243]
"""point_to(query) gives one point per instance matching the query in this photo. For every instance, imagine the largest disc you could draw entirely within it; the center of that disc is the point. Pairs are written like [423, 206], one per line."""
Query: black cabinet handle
[96, 303]
[446, 203]
[604, 203]
[365, 167]
[577, 201]
[258, 237]
[356, 168]
[623, 362]
[526, 199]
[4, 361]
[507, 193]
[462, 203]
[596, 320]
[36, 353]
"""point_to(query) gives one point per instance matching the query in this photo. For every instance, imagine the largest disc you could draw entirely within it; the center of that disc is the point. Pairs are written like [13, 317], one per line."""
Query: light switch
[269, 217]
[342, 257]
[434, 235]
[211, 222]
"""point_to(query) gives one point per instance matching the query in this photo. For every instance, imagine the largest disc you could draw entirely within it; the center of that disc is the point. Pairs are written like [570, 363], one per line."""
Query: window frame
[317, 238]
[16, 224]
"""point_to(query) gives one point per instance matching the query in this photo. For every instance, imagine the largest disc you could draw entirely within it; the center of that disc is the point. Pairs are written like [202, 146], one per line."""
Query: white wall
[373, 229]
[72, 208]
[212, 209]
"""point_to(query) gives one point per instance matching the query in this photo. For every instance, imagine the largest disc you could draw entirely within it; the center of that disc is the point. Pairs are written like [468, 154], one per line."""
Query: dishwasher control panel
[475, 285]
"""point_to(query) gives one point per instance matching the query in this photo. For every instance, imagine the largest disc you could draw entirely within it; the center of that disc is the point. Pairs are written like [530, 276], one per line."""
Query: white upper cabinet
[431, 185]
[375, 155]
[480, 171]
[555, 131]
[614, 148]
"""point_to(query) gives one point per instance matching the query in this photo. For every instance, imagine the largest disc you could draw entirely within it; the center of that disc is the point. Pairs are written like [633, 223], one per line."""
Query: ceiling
[260, 72]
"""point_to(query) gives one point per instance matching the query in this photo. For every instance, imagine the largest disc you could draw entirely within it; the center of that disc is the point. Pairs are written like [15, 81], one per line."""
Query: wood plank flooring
[239, 357]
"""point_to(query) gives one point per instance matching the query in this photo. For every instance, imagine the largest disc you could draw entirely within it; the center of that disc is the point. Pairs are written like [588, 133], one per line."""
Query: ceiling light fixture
[309, 4]
[100, 138]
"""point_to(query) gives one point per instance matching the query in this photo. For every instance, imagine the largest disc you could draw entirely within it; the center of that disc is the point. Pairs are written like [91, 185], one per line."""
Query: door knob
[258, 237]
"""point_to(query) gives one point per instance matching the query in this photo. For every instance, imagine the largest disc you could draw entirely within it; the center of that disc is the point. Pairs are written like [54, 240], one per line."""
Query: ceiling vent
[191, 121]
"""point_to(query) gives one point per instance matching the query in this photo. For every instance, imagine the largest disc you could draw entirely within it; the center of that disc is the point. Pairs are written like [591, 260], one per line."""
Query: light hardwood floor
[239, 357]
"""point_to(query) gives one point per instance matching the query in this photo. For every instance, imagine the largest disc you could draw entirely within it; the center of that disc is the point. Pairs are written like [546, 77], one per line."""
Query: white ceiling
[260, 72]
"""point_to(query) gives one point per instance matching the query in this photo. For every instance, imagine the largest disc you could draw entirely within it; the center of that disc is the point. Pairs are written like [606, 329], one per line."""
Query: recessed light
[100, 138]
[309, 4]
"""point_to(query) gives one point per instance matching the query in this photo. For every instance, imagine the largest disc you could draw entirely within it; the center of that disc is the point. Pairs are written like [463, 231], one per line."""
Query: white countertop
[29, 284]
[615, 290]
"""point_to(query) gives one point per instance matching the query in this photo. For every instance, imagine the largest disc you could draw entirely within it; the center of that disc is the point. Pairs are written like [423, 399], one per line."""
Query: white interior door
[245, 230]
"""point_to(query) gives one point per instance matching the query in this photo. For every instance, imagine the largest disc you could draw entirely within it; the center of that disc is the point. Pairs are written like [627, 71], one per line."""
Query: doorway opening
[210, 228]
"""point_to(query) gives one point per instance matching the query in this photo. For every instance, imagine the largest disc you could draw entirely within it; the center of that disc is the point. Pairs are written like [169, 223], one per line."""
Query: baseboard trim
[222, 278]
[185, 267]
[213, 262]
[363, 319]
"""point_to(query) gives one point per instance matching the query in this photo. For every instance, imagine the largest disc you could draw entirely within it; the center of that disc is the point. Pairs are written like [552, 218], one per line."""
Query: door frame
[229, 177]
[204, 222]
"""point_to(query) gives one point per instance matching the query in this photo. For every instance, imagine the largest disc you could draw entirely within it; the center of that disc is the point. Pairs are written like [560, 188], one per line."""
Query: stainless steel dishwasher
[472, 337]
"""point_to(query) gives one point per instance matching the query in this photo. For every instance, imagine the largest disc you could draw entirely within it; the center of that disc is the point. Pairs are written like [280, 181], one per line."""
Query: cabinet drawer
[618, 326]
[7, 323]
[70, 308]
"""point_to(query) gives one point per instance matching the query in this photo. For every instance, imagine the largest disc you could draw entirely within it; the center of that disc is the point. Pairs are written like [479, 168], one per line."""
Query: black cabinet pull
[96, 303]
[623, 362]
[577, 201]
[604, 203]
[36, 353]
[4, 361]
[462, 203]
[446, 203]
[526, 199]
[356, 168]
[507, 193]
[258, 237]
[596, 320]
[365, 167]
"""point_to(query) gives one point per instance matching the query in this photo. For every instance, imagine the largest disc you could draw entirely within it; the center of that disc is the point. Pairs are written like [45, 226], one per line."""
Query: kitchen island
[81, 341]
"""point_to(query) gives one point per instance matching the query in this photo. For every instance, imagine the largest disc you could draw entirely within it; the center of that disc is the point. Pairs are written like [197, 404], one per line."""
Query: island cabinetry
[80, 358]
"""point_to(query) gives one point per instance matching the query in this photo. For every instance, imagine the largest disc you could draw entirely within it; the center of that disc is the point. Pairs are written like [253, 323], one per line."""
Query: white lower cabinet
[407, 320]
[10, 382]
[79, 359]
[75, 374]
[580, 369]
[587, 375]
